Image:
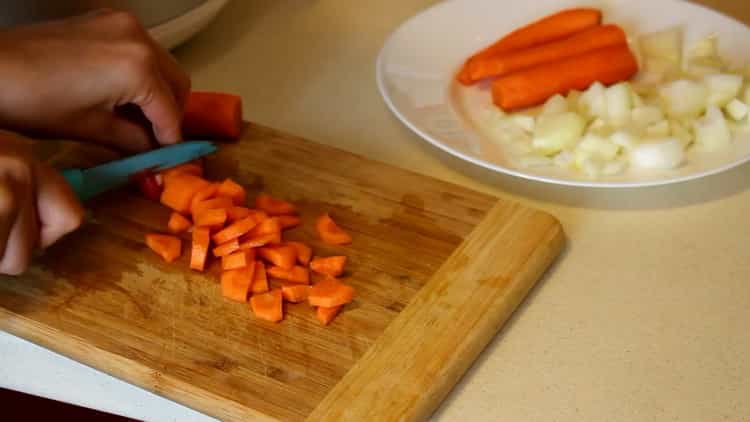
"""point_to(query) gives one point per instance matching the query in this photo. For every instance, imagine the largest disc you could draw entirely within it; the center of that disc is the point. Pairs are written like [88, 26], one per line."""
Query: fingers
[178, 79]
[8, 211]
[58, 209]
[112, 129]
[160, 107]
[24, 234]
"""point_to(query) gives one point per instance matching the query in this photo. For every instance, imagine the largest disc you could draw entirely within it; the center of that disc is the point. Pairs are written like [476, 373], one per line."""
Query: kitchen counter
[643, 317]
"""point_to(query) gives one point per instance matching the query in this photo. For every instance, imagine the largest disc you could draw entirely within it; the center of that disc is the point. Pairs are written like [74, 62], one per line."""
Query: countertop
[644, 317]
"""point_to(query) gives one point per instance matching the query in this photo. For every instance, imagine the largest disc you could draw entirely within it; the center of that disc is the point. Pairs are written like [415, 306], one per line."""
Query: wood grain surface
[437, 268]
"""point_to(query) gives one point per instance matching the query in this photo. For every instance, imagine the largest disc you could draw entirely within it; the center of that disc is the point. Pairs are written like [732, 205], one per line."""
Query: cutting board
[438, 269]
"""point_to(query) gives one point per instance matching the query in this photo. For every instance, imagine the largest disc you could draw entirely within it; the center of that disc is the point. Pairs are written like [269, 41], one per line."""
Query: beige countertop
[645, 315]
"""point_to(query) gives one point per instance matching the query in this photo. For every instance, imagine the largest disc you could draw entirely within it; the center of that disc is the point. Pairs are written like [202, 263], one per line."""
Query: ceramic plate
[416, 66]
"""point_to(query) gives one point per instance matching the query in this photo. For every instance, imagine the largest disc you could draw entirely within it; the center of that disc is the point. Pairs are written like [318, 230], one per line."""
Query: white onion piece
[662, 154]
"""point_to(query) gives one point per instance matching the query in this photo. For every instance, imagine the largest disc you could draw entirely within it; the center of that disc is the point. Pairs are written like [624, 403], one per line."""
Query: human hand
[72, 78]
[37, 206]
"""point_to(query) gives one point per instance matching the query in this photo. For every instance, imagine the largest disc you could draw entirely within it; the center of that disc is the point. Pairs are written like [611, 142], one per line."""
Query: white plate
[174, 32]
[416, 66]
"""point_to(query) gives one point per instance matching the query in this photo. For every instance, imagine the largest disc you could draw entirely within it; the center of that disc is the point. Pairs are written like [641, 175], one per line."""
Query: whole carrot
[553, 27]
[533, 86]
[582, 42]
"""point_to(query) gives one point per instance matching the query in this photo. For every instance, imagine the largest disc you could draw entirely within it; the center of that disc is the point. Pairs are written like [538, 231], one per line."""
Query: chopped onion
[662, 154]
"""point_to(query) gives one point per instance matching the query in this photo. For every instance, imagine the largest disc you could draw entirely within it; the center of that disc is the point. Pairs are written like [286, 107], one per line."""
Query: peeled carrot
[326, 315]
[235, 283]
[296, 274]
[273, 206]
[179, 191]
[194, 167]
[533, 86]
[281, 255]
[260, 280]
[208, 192]
[591, 39]
[295, 293]
[237, 213]
[212, 204]
[288, 221]
[201, 242]
[212, 115]
[268, 226]
[227, 248]
[168, 247]
[268, 306]
[330, 232]
[553, 27]
[330, 265]
[212, 218]
[238, 259]
[304, 252]
[330, 292]
[234, 230]
[232, 189]
[177, 223]
[258, 215]
[261, 240]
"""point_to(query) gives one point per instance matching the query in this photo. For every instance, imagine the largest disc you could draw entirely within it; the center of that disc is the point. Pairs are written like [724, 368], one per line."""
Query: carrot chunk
[296, 274]
[330, 232]
[273, 206]
[260, 280]
[304, 252]
[232, 189]
[281, 255]
[212, 204]
[194, 167]
[212, 115]
[227, 248]
[177, 223]
[212, 218]
[179, 191]
[330, 265]
[326, 315]
[261, 240]
[168, 247]
[237, 213]
[268, 306]
[295, 293]
[208, 192]
[330, 292]
[238, 259]
[234, 230]
[268, 226]
[201, 242]
[288, 221]
[235, 283]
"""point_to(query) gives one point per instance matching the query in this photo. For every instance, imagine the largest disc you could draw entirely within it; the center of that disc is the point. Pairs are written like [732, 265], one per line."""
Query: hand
[37, 206]
[72, 78]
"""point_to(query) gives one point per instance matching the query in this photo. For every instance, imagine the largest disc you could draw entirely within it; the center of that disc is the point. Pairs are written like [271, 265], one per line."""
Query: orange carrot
[330, 232]
[227, 248]
[208, 192]
[177, 223]
[238, 259]
[268, 306]
[201, 242]
[330, 292]
[268, 226]
[237, 213]
[282, 255]
[179, 191]
[212, 218]
[326, 315]
[258, 215]
[260, 280]
[212, 204]
[194, 167]
[295, 293]
[296, 274]
[330, 265]
[168, 247]
[288, 221]
[231, 189]
[235, 284]
[503, 64]
[304, 252]
[550, 28]
[533, 86]
[212, 115]
[273, 206]
[261, 240]
[234, 230]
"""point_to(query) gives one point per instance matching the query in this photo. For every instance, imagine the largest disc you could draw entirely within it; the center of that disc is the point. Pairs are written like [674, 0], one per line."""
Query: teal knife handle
[76, 180]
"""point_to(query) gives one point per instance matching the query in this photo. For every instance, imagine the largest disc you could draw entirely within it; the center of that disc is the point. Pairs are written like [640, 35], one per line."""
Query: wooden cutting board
[438, 270]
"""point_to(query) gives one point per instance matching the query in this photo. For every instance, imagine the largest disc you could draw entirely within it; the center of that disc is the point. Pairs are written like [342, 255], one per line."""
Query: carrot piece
[268, 226]
[330, 292]
[201, 242]
[234, 230]
[238, 259]
[213, 218]
[258, 215]
[177, 223]
[235, 283]
[296, 274]
[208, 192]
[288, 221]
[261, 240]
[227, 248]
[326, 315]
[237, 213]
[330, 265]
[232, 189]
[212, 115]
[273, 206]
[179, 191]
[534, 86]
[168, 247]
[282, 255]
[295, 293]
[260, 280]
[268, 306]
[194, 167]
[550, 28]
[582, 42]
[304, 252]
[212, 204]
[330, 232]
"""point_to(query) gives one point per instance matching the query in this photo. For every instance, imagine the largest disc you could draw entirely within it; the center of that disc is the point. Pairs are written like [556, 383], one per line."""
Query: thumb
[58, 209]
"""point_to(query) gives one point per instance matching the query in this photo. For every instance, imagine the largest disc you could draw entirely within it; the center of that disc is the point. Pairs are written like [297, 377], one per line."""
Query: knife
[87, 183]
